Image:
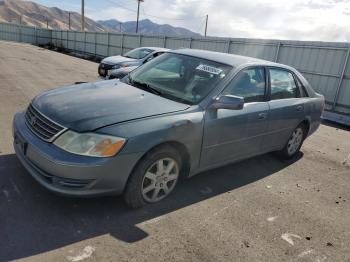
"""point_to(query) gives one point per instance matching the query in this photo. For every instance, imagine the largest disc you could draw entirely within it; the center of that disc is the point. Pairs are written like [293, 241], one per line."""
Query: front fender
[142, 135]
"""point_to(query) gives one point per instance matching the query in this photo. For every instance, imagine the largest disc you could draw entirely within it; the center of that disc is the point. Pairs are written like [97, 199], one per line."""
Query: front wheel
[294, 142]
[154, 178]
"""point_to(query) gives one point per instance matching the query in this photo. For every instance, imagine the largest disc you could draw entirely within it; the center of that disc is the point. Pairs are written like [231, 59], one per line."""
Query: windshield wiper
[145, 86]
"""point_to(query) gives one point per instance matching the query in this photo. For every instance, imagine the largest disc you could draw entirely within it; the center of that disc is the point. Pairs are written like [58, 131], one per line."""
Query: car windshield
[178, 77]
[138, 53]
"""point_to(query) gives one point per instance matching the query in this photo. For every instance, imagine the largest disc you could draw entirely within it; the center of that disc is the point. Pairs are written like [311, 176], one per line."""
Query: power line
[167, 18]
[154, 16]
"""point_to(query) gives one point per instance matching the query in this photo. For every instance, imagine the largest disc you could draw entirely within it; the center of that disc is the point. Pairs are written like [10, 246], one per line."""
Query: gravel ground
[261, 209]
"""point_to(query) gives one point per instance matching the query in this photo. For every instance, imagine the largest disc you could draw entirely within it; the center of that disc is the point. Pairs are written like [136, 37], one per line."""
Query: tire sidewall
[285, 153]
[133, 192]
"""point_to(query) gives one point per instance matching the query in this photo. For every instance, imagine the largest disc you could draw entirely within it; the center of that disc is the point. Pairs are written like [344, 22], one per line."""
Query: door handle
[299, 108]
[262, 115]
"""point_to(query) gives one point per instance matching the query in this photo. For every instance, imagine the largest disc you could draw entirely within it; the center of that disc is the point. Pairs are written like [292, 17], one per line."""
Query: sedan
[182, 113]
[119, 66]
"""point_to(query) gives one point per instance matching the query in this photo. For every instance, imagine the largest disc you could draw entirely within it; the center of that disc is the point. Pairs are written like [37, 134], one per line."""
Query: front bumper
[66, 173]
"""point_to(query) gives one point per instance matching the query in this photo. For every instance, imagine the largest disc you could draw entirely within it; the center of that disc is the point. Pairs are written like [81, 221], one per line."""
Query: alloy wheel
[160, 179]
[295, 141]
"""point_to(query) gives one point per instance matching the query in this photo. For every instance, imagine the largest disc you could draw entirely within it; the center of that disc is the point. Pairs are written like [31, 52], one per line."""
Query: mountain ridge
[33, 14]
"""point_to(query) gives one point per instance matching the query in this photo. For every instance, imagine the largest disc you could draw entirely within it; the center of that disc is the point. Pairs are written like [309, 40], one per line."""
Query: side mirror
[228, 102]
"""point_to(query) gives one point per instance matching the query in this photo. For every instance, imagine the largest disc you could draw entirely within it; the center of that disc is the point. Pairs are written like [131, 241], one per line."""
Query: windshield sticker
[209, 69]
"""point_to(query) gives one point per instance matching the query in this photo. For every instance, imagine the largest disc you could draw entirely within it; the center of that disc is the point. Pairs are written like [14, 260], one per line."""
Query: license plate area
[22, 144]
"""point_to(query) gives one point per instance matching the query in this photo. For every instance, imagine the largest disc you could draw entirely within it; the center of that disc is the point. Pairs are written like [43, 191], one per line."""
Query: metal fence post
[36, 35]
[140, 39]
[190, 42]
[341, 78]
[75, 41]
[164, 42]
[228, 46]
[108, 43]
[95, 35]
[84, 49]
[122, 44]
[277, 52]
[20, 33]
[67, 40]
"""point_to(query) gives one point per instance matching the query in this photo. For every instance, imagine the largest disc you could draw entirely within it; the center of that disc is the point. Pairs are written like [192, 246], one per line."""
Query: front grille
[41, 126]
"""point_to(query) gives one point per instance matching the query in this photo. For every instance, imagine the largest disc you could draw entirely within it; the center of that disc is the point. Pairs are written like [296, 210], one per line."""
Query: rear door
[286, 107]
[236, 134]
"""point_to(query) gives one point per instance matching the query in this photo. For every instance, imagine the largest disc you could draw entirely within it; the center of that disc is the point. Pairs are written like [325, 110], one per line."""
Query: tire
[148, 178]
[292, 147]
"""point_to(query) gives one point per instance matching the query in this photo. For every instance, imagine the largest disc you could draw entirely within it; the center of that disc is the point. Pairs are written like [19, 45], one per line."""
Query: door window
[249, 84]
[282, 84]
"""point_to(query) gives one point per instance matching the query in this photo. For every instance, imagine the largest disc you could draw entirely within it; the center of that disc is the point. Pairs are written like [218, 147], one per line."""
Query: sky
[317, 20]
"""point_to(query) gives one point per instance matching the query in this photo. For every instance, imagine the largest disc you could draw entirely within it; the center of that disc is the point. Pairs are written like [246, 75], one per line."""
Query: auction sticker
[209, 69]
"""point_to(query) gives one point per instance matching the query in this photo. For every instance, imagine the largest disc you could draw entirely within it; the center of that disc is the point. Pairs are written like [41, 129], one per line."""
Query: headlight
[90, 144]
[116, 66]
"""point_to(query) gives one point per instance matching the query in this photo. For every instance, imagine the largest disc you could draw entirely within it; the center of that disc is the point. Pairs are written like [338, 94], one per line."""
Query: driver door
[231, 135]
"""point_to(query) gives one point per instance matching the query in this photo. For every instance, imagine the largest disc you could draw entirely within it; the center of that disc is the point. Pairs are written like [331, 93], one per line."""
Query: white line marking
[86, 253]
[15, 187]
[154, 220]
[288, 237]
[6, 193]
[271, 219]
[306, 252]
[206, 190]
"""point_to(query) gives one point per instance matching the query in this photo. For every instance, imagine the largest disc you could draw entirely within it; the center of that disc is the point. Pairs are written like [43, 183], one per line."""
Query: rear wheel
[154, 178]
[294, 142]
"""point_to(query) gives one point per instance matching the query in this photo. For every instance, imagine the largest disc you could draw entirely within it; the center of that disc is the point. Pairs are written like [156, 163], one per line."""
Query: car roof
[225, 58]
[154, 48]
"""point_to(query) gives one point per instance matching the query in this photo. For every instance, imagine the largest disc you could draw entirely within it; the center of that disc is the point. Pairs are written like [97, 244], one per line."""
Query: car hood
[117, 59]
[90, 106]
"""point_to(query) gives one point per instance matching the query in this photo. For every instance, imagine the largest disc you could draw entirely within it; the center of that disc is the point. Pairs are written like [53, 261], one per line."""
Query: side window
[283, 85]
[249, 84]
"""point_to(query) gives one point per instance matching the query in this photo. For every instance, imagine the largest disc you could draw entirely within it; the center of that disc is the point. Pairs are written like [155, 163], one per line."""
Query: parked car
[182, 113]
[119, 66]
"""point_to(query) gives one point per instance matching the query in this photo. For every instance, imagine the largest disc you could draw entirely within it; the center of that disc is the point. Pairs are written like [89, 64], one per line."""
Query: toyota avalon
[182, 113]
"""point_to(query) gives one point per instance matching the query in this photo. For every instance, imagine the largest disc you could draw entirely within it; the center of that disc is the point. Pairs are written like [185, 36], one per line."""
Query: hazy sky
[327, 20]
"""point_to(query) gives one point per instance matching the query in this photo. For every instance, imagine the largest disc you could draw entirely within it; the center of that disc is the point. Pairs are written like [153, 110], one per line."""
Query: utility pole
[82, 16]
[206, 25]
[69, 20]
[120, 27]
[47, 23]
[20, 19]
[138, 14]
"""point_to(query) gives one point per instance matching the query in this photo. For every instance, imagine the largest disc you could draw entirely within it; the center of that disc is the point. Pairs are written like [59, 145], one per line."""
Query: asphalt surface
[261, 209]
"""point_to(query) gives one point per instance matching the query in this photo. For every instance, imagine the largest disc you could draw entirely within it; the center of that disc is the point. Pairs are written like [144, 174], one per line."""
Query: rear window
[283, 85]
[138, 53]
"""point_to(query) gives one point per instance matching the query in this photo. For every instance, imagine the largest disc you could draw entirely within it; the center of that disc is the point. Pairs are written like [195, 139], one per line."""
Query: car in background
[119, 66]
[184, 112]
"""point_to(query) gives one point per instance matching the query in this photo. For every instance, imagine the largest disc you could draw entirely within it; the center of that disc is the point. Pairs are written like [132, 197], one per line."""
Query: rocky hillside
[33, 14]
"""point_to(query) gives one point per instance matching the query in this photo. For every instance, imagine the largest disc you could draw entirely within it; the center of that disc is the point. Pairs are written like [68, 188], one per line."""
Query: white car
[119, 66]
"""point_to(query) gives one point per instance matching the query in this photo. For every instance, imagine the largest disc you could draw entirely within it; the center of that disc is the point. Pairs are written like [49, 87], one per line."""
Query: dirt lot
[261, 209]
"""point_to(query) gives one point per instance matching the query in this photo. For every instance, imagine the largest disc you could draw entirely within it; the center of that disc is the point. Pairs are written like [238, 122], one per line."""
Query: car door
[230, 135]
[286, 108]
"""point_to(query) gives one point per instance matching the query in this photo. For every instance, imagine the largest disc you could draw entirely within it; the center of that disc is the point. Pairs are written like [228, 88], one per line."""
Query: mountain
[37, 15]
[33, 14]
[146, 26]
